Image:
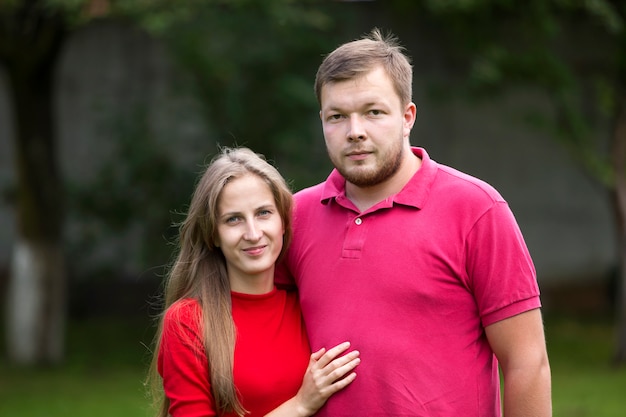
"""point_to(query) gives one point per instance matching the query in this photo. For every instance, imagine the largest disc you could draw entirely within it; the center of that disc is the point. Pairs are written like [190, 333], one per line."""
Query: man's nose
[356, 130]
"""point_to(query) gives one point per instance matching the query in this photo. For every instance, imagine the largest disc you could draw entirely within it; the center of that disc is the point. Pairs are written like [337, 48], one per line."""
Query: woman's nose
[253, 231]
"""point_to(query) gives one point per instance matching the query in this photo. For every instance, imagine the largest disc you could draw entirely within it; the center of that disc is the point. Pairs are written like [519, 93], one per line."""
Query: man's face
[365, 127]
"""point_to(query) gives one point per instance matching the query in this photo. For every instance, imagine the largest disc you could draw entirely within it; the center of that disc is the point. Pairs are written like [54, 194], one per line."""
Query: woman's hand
[326, 374]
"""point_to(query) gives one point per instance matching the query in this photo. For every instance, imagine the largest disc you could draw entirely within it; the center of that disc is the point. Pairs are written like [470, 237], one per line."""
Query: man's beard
[379, 174]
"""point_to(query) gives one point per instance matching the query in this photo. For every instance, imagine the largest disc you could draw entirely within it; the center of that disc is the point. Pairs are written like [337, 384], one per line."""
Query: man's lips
[358, 155]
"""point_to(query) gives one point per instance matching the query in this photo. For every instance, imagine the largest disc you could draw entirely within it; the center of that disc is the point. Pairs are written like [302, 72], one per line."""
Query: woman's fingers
[329, 371]
[332, 370]
[340, 384]
[332, 353]
[315, 356]
[338, 368]
[336, 375]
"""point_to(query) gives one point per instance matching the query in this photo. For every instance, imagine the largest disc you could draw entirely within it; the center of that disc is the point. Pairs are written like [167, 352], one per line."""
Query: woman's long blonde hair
[199, 271]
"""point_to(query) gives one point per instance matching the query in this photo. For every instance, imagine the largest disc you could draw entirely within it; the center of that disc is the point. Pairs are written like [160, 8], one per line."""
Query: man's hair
[356, 58]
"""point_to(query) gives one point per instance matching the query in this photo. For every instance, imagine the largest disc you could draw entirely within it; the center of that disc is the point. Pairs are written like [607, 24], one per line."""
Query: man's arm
[520, 346]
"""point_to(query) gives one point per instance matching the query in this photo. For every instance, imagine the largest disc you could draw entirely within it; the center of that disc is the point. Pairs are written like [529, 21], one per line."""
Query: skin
[519, 344]
[366, 129]
[322, 379]
[250, 233]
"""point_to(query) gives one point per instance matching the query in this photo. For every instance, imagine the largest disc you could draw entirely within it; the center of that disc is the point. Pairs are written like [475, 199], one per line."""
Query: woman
[229, 343]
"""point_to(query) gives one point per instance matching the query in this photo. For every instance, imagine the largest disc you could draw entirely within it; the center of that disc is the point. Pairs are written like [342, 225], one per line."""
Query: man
[421, 267]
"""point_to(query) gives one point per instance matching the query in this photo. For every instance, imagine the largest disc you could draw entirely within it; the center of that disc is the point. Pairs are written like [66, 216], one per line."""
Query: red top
[271, 354]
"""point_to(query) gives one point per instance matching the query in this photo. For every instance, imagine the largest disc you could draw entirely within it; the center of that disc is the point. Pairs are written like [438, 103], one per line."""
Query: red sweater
[271, 354]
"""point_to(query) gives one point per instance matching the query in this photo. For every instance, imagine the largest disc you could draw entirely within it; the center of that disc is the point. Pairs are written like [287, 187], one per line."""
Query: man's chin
[361, 177]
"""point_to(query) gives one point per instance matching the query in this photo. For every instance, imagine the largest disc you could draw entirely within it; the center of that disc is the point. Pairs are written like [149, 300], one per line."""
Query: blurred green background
[109, 109]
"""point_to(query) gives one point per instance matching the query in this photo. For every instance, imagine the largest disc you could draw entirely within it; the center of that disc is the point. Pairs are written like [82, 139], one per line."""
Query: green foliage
[537, 48]
[73, 12]
[252, 65]
[139, 189]
[607, 13]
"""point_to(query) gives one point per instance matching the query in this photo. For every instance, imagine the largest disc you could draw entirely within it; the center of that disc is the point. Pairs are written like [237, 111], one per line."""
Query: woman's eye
[232, 219]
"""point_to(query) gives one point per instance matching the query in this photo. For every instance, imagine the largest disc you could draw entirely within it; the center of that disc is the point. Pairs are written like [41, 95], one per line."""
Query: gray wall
[107, 67]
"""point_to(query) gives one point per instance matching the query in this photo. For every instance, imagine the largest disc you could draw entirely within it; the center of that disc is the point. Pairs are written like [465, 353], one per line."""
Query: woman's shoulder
[182, 310]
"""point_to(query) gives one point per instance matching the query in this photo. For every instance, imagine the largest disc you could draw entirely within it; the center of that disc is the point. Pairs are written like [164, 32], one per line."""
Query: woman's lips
[256, 250]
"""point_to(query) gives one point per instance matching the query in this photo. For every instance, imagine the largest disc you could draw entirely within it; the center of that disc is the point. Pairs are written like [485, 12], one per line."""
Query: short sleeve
[500, 270]
[282, 277]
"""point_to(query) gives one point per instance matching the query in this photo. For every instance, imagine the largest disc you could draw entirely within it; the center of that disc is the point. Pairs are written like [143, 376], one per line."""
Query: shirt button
[358, 221]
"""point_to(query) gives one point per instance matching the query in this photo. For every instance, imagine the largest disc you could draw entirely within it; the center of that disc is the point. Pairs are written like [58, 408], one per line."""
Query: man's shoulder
[466, 185]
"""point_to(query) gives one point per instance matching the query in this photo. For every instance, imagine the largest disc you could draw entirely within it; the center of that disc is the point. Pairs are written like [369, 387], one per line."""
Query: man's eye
[375, 112]
[334, 117]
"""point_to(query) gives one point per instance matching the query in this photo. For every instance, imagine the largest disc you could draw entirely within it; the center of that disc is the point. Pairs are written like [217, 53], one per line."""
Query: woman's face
[250, 234]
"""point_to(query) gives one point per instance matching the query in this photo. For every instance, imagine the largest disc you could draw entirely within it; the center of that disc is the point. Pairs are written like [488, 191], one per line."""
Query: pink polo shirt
[411, 283]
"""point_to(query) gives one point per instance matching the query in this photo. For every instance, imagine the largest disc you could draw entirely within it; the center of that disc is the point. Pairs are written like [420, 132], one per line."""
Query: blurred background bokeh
[110, 109]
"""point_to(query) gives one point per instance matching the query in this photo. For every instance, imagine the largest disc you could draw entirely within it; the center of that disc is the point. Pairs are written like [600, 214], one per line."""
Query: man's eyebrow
[368, 104]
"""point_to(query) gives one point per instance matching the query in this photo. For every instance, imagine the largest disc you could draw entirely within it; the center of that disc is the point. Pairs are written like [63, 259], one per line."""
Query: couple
[417, 269]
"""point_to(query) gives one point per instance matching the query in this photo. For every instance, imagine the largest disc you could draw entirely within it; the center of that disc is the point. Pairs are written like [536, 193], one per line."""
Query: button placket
[354, 239]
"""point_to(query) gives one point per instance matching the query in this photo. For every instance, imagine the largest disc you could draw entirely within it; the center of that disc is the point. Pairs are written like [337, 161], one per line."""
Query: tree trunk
[30, 43]
[619, 199]
[620, 351]
[35, 316]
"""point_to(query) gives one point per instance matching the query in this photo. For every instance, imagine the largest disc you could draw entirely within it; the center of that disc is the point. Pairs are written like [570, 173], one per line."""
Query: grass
[584, 383]
[107, 361]
[115, 392]
[102, 377]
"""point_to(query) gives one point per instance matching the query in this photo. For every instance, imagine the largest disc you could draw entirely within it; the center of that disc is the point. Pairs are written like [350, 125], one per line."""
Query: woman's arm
[183, 365]
[326, 374]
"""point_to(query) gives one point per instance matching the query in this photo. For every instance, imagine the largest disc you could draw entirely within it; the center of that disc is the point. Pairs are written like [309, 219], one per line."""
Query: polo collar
[413, 194]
